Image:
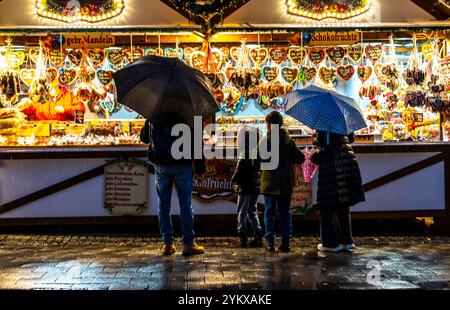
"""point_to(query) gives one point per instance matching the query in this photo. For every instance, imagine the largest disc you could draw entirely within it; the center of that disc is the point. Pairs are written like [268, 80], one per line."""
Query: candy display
[51, 84]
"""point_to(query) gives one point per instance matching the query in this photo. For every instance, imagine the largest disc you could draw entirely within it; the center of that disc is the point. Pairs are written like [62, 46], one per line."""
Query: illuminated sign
[79, 10]
[322, 9]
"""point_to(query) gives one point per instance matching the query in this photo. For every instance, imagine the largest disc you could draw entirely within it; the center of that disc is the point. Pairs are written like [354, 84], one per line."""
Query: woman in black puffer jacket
[340, 187]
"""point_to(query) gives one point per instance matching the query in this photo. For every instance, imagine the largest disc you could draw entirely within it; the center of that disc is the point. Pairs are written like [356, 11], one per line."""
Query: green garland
[211, 8]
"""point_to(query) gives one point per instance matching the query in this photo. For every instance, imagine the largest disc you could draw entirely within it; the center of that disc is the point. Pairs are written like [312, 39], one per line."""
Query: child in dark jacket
[247, 179]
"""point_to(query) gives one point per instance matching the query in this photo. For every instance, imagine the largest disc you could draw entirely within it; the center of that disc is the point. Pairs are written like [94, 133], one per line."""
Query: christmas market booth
[71, 153]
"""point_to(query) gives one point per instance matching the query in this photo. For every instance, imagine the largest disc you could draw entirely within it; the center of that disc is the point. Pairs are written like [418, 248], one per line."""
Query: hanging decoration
[79, 10]
[323, 9]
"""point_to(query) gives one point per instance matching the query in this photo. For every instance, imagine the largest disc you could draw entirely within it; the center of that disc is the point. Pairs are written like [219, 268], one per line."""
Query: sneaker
[322, 248]
[192, 249]
[347, 247]
[168, 249]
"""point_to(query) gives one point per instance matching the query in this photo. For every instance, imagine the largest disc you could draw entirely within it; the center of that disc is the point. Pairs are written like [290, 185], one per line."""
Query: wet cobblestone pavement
[111, 262]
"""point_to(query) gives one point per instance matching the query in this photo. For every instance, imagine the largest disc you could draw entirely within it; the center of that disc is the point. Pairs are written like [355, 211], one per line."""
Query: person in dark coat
[247, 178]
[168, 172]
[340, 187]
[277, 184]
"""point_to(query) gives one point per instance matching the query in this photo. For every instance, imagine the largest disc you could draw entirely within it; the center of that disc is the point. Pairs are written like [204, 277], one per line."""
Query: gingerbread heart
[355, 52]
[75, 56]
[378, 69]
[135, 54]
[87, 76]
[307, 74]
[172, 52]
[187, 53]
[229, 72]
[217, 58]
[96, 57]
[259, 55]
[364, 72]
[327, 74]
[198, 60]
[67, 76]
[116, 57]
[33, 53]
[297, 55]
[278, 54]
[428, 51]
[374, 52]
[235, 53]
[345, 72]
[52, 73]
[105, 76]
[225, 52]
[56, 57]
[289, 74]
[153, 51]
[270, 73]
[27, 76]
[336, 54]
[16, 58]
[316, 55]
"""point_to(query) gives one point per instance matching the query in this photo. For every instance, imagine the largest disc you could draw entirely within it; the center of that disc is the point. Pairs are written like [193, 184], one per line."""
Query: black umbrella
[154, 85]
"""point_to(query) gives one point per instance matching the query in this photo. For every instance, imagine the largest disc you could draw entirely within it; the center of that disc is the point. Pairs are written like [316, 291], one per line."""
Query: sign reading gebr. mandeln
[93, 40]
[126, 187]
[334, 38]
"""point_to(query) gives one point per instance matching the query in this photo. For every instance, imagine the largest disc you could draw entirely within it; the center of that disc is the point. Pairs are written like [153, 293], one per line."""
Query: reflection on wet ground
[102, 262]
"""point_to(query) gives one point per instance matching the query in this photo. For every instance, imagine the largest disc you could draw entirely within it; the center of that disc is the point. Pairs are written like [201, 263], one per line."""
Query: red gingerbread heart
[316, 55]
[345, 72]
[336, 54]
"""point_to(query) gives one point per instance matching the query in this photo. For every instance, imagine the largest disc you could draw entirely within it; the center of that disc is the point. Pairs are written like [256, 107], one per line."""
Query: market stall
[62, 131]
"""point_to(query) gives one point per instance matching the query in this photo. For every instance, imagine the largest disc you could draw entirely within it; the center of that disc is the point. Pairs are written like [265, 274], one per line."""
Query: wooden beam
[436, 8]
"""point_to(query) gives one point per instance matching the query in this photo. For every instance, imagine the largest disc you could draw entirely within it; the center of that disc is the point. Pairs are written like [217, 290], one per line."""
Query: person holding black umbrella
[168, 93]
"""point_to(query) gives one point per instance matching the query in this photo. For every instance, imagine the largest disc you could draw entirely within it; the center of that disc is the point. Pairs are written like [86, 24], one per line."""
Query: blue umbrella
[325, 110]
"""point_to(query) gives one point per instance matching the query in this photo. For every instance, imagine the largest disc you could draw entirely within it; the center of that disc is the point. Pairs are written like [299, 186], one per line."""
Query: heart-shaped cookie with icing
[259, 55]
[105, 76]
[289, 74]
[96, 56]
[278, 54]
[27, 76]
[56, 57]
[270, 73]
[75, 57]
[355, 52]
[67, 76]
[336, 54]
[345, 72]
[297, 55]
[116, 57]
[374, 52]
[327, 74]
[316, 56]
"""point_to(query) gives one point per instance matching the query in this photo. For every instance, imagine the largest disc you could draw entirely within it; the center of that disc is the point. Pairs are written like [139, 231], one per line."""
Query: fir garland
[209, 8]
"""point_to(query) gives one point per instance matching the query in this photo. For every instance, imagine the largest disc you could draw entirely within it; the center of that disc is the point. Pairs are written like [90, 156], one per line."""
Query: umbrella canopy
[154, 85]
[325, 110]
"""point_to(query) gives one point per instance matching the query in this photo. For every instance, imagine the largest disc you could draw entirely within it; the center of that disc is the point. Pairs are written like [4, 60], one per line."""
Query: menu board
[126, 187]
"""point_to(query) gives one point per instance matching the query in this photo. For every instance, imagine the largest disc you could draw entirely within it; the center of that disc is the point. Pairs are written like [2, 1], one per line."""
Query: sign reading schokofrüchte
[334, 38]
[126, 187]
[93, 40]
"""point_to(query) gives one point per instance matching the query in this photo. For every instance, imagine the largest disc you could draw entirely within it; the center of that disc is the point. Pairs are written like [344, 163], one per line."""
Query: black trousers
[335, 226]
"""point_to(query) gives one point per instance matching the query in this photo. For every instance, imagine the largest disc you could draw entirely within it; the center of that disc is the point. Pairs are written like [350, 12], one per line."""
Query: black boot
[244, 239]
[285, 245]
[257, 241]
